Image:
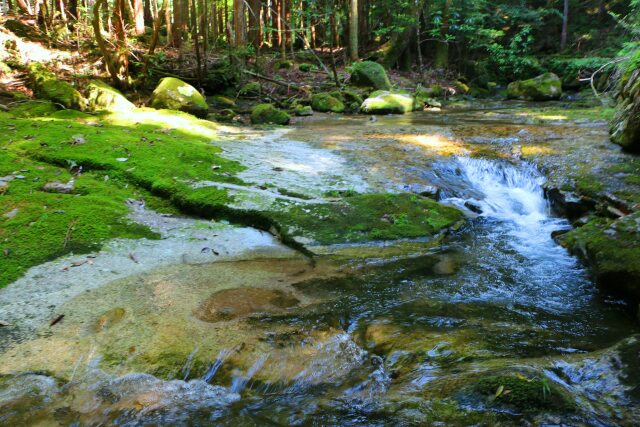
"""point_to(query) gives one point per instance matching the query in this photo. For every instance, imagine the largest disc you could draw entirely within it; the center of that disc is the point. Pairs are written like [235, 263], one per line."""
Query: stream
[393, 341]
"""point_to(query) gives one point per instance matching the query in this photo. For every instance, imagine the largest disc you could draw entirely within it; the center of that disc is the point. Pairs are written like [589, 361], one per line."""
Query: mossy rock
[46, 85]
[221, 101]
[426, 96]
[625, 127]
[174, 94]
[370, 74]
[461, 87]
[303, 110]
[479, 92]
[34, 109]
[283, 64]
[268, 114]
[612, 250]
[527, 395]
[103, 97]
[324, 102]
[226, 115]
[305, 67]
[384, 102]
[545, 87]
[368, 217]
[251, 89]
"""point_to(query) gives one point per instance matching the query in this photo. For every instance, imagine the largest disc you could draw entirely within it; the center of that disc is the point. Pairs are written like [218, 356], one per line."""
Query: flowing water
[400, 342]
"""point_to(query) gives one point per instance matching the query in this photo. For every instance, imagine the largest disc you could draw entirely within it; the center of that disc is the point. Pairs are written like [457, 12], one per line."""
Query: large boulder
[103, 97]
[385, 102]
[370, 74]
[625, 128]
[545, 87]
[324, 102]
[268, 114]
[174, 94]
[46, 85]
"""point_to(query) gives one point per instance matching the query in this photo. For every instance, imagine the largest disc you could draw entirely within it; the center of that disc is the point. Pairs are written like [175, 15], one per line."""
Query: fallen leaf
[57, 320]
[499, 391]
[3, 323]
[134, 258]
[78, 263]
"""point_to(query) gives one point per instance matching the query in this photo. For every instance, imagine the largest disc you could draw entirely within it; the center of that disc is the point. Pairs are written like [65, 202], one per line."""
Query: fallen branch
[278, 82]
[591, 79]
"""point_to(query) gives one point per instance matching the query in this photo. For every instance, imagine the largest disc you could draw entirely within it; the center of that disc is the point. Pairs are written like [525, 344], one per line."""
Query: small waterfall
[510, 193]
[223, 355]
[240, 382]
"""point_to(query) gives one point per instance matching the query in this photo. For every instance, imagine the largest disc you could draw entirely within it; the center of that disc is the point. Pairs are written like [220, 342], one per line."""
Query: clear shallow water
[400, 340]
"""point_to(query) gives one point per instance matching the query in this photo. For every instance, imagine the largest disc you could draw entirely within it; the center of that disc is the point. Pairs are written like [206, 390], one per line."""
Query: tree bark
[138, 17]
[565, 23]
[353, 30]
[254, 22]
[239, 26]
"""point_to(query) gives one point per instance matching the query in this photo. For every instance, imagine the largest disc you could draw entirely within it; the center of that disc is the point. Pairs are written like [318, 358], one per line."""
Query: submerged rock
[324, 102]
[59, 187]
[232, 303]
[370, 74]
[625, 128]
[268, 114]
[384, 102]
[174, 94]
[46, 85]
[545, 87]
[101, 96]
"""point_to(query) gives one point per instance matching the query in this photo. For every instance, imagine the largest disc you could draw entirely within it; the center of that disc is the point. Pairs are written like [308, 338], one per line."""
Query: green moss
[523, 394]
[283, 64]
[303, 110]
[34, 109]
[174, 94]
[368, 217]
[389, 103]
[542, 88]
[268, 114]
[324, 102]
[46, 85]
[157, 160]
[612, 249]
[221, 101]
[305, 68]
[251, 89]
[370, 74]
[101, 96]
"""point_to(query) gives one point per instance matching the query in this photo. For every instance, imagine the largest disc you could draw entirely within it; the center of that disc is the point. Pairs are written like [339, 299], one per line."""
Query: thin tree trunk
[177, 23]
[157, 23]
[138, 16]
[196, 44]
[353, 30]
[565, 23]
[167, 19]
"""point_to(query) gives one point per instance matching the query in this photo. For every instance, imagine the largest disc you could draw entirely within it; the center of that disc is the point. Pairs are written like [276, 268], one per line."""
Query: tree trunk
[178, 23]
[442, 46]
[565, 23]
[254, 22]
[138, 17]
[239, 26]
[157, 23]
[353, 31]
[24, 6]
[196, 43]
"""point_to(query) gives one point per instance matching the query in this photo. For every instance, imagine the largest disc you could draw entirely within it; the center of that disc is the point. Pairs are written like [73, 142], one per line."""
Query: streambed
[497, 325]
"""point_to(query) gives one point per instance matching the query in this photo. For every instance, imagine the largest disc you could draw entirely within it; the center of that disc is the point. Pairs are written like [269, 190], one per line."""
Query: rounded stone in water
[231, 303]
